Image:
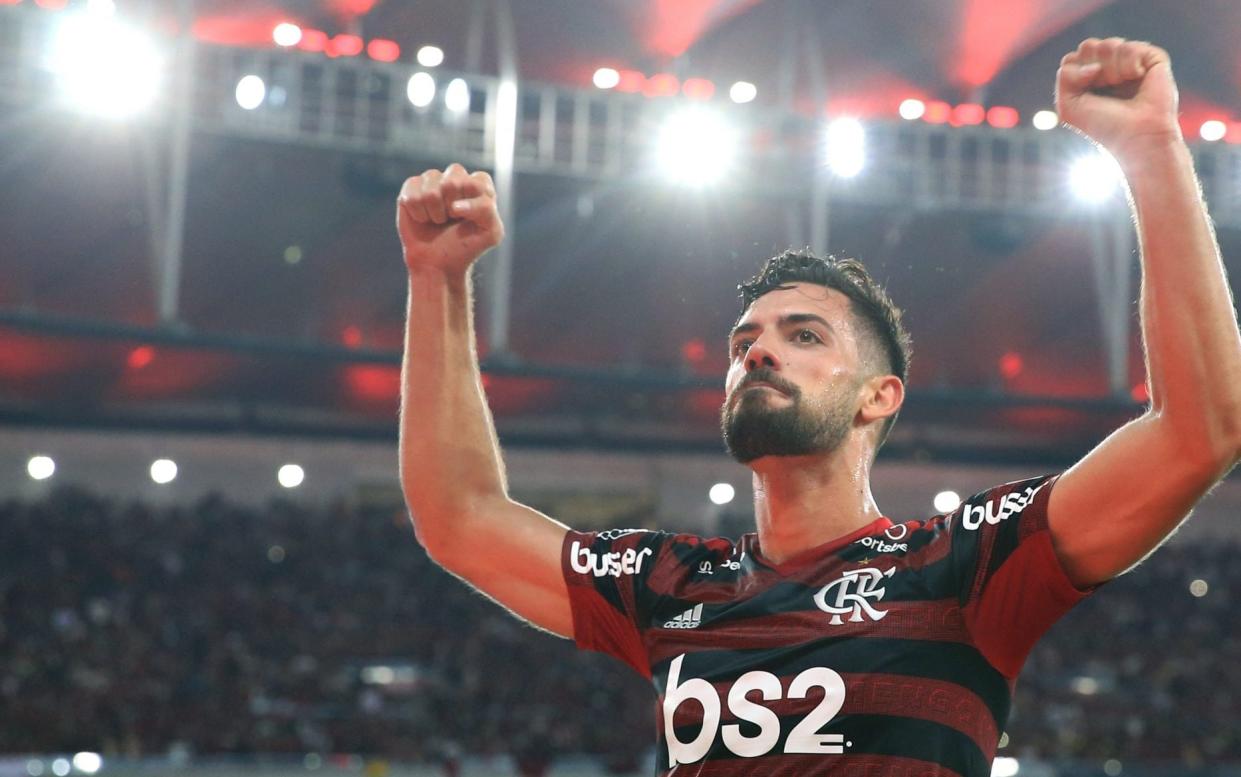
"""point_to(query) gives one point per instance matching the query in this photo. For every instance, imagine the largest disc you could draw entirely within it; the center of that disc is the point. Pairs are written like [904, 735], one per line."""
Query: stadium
[223, 438]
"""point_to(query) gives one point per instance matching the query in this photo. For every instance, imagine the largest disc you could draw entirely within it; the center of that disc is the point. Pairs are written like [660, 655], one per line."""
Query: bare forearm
[449, 453]
[1189, 326]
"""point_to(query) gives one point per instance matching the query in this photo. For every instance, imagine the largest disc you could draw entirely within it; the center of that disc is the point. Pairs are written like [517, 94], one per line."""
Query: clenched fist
[1120, 93]
[447, 219]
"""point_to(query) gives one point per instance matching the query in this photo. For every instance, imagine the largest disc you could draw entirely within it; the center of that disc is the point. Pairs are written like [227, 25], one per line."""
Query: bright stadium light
[286, 34]
[846, 147]
[291, 476]
[102, 7]
[430, 56]
[87, 763]
[695, 147]
[742, 92]
[421, 89]
[721, 493]
[40, 467]
[251, 91]
[104, 67]
[1213, 129]
[606, 77]
[1095, 177]
[912, 109]
[1045, 120]
[1004, 767]
[946, 501]
[457, 95]
[163, 471]
[61, 767]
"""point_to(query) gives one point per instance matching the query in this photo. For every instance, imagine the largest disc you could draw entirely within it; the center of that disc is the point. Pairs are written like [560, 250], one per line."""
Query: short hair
[883, 334]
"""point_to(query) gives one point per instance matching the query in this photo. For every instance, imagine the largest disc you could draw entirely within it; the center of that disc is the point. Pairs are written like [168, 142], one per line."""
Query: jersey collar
[816, 553]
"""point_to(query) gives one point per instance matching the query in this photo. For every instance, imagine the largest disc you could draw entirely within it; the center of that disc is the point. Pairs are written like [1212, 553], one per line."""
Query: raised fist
[448, 219]
[1120, 93]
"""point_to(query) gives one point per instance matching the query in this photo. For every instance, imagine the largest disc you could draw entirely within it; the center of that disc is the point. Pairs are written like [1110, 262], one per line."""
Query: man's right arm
[452, 472]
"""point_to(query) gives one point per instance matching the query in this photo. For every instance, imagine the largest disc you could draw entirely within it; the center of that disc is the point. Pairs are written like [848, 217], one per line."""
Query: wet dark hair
[883, 334]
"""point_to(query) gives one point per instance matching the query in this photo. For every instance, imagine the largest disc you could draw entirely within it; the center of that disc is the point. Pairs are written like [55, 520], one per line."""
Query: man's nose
[759, 355]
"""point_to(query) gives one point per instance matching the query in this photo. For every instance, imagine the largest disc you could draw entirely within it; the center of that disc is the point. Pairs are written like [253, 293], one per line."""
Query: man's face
[793, 384]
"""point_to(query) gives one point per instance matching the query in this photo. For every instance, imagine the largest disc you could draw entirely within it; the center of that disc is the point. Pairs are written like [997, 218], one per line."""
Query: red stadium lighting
[54, 5]
[698, 89]
[9, 2]
[344, 46]
[1233, 135]
[694, 350]
[967, 114]
[661, 85]
[1011, 365]
[313, 40]
[1138, 392]
[937, 112]
[382, 50]
[352, 336]
[630, 81]
[1003, 117]
[140, 357]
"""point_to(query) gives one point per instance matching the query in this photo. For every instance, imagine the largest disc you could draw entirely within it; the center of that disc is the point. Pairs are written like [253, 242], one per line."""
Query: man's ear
[884, 396]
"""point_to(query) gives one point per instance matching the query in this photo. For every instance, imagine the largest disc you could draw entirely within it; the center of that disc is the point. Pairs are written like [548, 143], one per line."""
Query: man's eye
[741, 346]
[808, 336]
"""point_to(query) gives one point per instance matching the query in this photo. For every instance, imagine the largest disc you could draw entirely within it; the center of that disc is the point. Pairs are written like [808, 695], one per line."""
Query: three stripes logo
[690, 619]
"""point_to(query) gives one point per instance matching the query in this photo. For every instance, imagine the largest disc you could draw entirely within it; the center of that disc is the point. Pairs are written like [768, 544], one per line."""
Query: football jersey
[890, 652]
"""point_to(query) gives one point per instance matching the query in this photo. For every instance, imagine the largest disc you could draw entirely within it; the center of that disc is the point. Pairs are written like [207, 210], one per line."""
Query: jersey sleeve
[608, 576]
[1011, 585]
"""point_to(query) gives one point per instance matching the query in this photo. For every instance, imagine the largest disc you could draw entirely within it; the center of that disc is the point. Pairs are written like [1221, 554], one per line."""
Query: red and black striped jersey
[890, 652]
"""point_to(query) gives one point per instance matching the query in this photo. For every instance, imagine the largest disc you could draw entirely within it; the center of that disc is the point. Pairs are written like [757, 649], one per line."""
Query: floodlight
[606, 78]
[104, 67]
[1045, 120]
[287, 34]
[947, 501]
[1005, 767]
[291, 476]
[430, 56]
[251, 91]
[1213, 129]
[40, 467]
[846, 147]
[721, 493]
[1095, 176]
[696, 147]
[163, 471]
[87, 763]
[457, 95]
[742, 92]
[912, 109]
[421, 89]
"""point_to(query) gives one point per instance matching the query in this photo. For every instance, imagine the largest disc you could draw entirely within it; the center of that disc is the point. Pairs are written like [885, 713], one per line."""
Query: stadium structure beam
[172, 221]
[1112, 259]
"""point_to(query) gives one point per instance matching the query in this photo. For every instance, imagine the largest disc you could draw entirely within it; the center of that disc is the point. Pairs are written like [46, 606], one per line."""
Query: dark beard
[752, 429]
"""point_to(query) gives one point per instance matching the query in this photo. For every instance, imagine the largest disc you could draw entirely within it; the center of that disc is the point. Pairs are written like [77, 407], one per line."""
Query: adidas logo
[690, 619]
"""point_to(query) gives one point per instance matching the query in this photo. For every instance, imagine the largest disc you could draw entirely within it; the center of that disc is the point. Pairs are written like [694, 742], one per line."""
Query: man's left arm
[1125, 497]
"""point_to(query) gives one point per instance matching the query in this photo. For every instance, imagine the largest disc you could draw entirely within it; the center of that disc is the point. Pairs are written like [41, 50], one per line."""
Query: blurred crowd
[212, 628]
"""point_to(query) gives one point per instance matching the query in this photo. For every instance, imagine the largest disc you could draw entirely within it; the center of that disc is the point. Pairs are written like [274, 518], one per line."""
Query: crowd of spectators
[212, 628]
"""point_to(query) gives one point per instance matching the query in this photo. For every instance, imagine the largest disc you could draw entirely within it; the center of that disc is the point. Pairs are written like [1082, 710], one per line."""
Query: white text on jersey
[616, 563]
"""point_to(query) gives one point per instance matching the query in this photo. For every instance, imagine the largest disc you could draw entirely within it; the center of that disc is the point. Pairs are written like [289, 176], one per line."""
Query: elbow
[440, 528]
[1214, 441]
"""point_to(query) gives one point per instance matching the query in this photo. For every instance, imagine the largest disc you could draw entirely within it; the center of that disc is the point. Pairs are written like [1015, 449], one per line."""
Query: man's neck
[801, 502]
